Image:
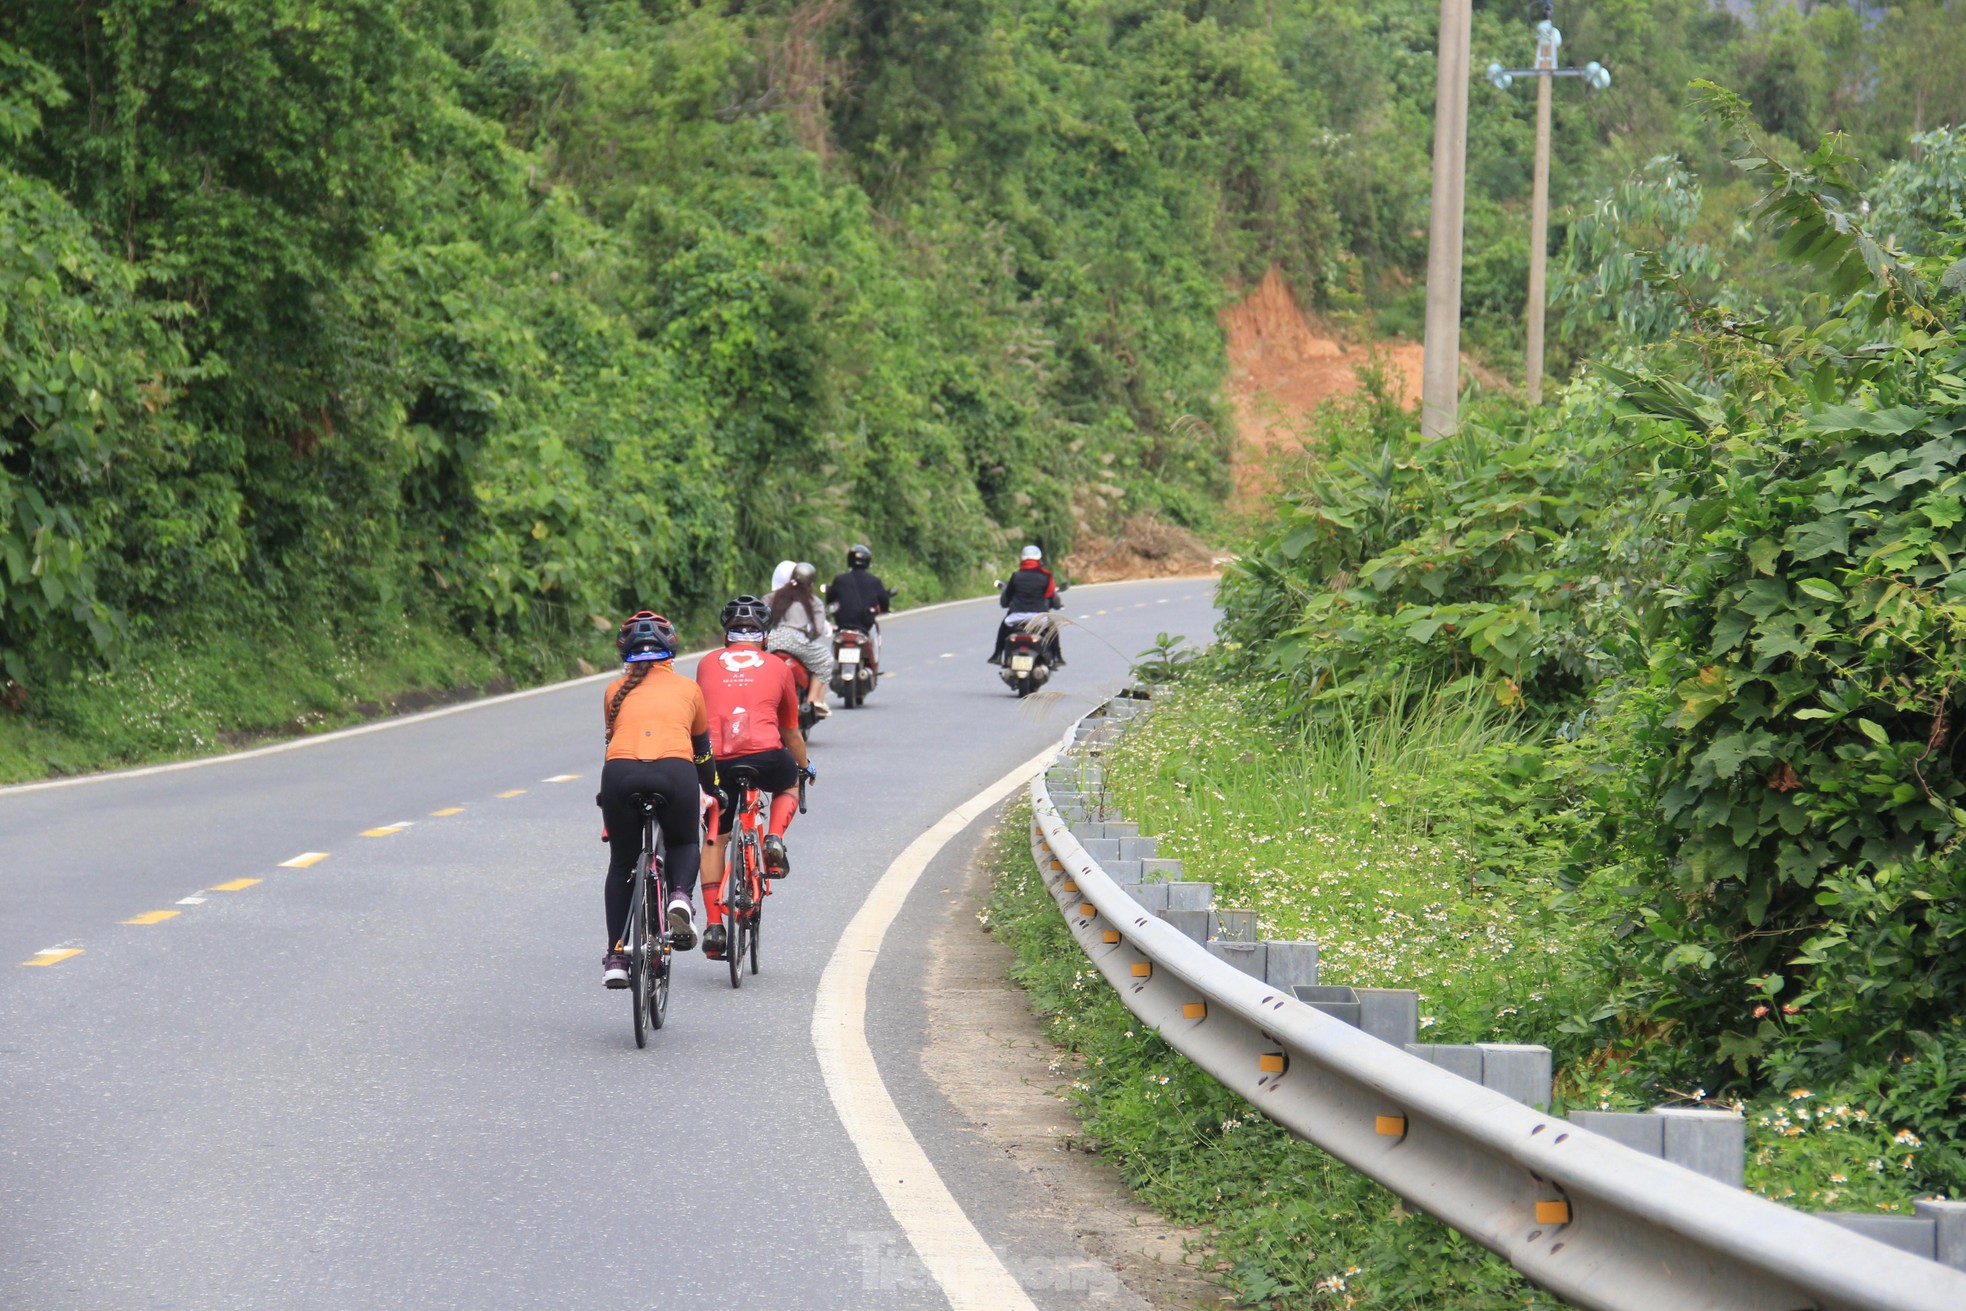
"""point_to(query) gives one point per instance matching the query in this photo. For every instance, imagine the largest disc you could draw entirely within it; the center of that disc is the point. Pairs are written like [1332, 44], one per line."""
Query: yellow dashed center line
[388, 832]
[448, 810]
[53, 955]
[236, 885]
[560, 778]
[304, 859]
[515, 792]
[154, 917]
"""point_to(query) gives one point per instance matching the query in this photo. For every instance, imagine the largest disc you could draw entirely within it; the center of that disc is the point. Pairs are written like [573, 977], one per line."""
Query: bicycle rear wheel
[640, 966]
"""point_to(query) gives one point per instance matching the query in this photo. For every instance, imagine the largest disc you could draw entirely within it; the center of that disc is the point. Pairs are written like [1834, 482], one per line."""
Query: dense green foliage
[484, 320]
[1722, 588]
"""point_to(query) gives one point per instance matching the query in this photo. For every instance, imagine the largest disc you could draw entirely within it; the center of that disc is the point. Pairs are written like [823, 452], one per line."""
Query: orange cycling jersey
[657, 719]
[751, 698]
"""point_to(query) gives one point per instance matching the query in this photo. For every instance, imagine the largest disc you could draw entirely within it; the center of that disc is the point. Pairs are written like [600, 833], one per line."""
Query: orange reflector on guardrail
[1086, 908]
[1390, 1126]
[1110, 935]
[1273, 1062]
[1552, 1213]
[1141, 969]
[1070, 886]
[1195, 1010]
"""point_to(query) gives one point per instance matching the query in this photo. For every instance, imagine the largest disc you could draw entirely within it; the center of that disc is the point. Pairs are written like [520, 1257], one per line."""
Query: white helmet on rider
[1032, 553]
[782, 575]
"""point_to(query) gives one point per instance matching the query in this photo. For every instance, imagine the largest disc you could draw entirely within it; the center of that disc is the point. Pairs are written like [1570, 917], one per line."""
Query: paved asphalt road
[393, 1079]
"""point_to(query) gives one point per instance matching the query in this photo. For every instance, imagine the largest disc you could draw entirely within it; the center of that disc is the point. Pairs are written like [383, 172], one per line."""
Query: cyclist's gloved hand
[721, 795]
[812, 773]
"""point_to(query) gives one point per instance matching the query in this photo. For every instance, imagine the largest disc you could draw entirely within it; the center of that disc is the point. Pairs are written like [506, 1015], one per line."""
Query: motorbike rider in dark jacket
[1029, 594]
[858, 595]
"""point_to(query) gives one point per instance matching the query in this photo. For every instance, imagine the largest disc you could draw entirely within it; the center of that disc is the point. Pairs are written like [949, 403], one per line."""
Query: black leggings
[673, 782]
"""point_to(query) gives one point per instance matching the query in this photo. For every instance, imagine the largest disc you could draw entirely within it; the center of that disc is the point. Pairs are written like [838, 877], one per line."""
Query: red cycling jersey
[751, 700]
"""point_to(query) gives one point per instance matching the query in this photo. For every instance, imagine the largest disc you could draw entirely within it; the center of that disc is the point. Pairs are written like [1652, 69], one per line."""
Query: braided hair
[633, 681]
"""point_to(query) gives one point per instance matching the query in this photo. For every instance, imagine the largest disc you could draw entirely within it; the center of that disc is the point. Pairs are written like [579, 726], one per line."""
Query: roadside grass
[1291, 1226]
[1418, 851]
[1348, 833]
[171, 699]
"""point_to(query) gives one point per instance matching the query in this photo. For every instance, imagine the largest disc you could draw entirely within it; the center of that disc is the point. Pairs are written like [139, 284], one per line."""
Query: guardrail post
[1252, 958]
[1190, 921]
[1519, 1070]
[1235, 925]
[1635, 1129]
[1713, 1142]
[1289, 964]
[1335, 1000]
[1916, 1234]
[1390, 1014]
[1455, 1058]
[1948, 1230]
[1190, 896]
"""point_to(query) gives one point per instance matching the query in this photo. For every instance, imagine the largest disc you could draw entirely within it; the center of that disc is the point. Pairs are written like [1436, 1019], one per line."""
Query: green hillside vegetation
[1630, 725]
[357, 347]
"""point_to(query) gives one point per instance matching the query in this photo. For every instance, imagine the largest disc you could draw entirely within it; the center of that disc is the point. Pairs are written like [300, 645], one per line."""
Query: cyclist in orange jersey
[658, 744]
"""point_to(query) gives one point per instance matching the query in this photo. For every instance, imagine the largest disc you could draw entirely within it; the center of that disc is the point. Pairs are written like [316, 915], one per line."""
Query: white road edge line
[402, 721]
[970, 1274]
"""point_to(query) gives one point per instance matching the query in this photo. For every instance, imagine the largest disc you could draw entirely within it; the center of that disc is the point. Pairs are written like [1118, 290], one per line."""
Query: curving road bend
[235, 1076]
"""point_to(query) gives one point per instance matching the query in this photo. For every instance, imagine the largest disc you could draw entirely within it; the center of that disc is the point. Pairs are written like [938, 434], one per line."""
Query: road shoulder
[988, 1056]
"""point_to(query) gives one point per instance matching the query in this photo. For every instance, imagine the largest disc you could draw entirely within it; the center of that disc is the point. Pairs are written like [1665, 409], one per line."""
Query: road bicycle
[745, 883]
[648, 946]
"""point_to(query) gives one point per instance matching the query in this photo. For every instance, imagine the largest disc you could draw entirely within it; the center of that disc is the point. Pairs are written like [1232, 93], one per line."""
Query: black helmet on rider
[746, 614]
[645, 635]
[806, 572]
[859, 557]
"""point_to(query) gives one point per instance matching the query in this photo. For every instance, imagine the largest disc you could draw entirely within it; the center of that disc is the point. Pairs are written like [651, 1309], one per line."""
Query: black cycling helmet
[858, 557]
[645, 635]
[747, 611]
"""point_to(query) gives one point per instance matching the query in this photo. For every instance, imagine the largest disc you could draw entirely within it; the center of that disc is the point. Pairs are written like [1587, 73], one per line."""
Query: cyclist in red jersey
[754, 724]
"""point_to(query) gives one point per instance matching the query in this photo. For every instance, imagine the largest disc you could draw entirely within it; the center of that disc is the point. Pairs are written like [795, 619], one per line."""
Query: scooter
[857, 668]
[802, 681]
[1025, 668]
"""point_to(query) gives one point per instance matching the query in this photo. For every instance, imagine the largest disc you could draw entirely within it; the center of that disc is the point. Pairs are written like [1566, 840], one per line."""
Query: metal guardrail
[1581, 1215]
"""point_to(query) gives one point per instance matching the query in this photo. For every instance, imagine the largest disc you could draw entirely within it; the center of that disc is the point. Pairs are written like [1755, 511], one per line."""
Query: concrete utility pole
[1440, 386]
[1548, 42]
[1548, 39]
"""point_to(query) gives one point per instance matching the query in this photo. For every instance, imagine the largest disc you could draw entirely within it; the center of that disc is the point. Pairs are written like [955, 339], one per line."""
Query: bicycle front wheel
[733, 932]
[751, 934]
[658, 991]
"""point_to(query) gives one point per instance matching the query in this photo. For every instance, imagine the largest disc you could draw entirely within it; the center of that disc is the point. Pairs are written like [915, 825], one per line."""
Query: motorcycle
[856, 667]
[801, 680]
[1025, 668]
[1026, 654]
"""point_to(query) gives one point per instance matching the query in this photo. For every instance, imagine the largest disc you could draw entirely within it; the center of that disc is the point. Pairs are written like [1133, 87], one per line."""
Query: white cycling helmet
[1032, 553]
[782, 575]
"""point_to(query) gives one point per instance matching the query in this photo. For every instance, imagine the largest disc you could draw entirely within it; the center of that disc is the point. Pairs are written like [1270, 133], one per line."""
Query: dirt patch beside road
[991, 1059]
[1284, 365]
